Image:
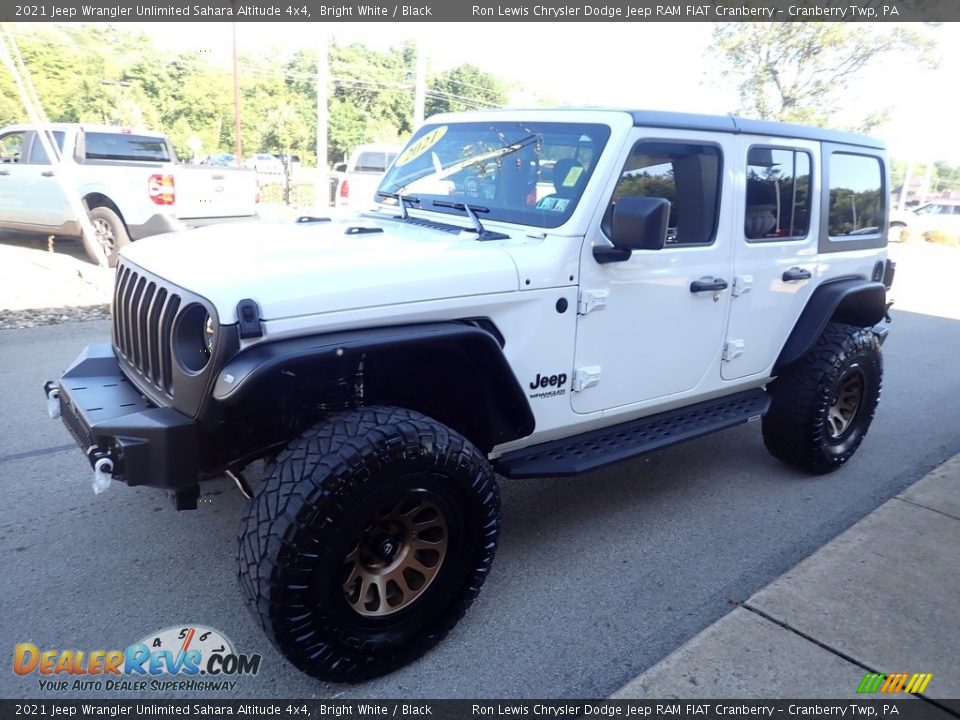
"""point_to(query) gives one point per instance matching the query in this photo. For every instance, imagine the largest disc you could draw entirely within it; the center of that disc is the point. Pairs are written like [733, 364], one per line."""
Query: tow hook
[102, 469]
[52, 391]
[102, 472]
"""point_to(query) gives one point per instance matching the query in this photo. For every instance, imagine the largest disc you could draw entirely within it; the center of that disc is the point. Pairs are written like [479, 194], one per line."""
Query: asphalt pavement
[597, 578]
[880, 600]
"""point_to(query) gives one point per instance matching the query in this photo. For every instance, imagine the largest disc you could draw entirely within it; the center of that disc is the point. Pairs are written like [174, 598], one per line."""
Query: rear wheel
[109, 235]
[368, 541]
[823, 404]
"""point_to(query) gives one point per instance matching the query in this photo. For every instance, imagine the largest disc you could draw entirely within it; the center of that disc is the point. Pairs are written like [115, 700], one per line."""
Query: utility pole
[323, 105]
[237, 141]
[420, 89]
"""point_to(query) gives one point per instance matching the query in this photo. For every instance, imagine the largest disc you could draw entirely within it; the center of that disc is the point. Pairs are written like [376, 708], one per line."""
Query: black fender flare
[455, 352]
[851, 300]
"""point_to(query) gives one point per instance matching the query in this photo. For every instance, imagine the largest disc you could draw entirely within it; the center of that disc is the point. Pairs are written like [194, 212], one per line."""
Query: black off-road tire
[814, 423]
[321, 502]
[110, 235]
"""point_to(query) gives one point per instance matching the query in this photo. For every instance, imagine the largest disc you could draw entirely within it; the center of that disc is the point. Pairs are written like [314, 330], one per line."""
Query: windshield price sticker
[421, 146]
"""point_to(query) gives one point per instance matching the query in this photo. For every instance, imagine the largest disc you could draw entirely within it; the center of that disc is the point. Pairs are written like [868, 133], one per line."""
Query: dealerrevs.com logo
[185, 657]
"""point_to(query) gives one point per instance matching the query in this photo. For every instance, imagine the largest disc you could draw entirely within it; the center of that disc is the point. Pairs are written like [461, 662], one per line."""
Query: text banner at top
[480, 11]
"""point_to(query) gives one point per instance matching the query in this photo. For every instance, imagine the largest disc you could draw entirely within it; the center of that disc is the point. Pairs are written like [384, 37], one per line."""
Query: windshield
[527, 173]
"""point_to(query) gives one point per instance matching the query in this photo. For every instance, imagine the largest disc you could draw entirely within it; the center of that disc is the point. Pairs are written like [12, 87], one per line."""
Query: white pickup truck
[355, 180]
[129, 183]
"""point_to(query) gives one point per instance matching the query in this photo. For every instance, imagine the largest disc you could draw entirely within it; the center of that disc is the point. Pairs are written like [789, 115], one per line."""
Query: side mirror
[638, 223]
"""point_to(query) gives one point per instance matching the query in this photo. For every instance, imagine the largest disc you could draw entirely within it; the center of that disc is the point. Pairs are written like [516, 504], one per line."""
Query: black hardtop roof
[738, 125]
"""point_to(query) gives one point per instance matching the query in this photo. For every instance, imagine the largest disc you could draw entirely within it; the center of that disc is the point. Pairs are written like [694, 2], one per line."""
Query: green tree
[465, 87]
[800, 71]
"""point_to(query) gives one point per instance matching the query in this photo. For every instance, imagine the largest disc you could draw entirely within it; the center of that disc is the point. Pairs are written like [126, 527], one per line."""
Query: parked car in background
[264, 164]
[129, 182]
[354, 181]
[938, 215]
[221, 160]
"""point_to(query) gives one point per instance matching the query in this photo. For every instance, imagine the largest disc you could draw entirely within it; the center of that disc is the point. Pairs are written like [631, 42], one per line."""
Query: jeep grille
[143, 314]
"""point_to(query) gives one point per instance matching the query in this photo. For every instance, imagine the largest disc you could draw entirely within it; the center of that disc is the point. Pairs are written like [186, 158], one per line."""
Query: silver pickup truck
[128, 182]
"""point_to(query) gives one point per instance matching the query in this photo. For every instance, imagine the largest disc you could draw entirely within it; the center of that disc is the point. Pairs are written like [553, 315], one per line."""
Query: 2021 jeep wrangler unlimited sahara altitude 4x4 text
[532, 293]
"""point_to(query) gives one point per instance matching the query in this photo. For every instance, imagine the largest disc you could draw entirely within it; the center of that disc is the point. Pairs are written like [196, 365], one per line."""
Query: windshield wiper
[402, 201]
[472, 210]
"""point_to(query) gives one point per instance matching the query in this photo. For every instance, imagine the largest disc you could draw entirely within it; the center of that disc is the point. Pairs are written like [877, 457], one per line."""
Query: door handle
[796, 273]
[4, 172]
[713, 285]
[47, 173]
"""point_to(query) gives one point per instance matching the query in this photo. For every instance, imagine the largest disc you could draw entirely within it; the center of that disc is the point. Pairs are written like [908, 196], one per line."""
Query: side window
[38, 154]
[778, 194]
[686, 174]
[11, 146]
[856, 195]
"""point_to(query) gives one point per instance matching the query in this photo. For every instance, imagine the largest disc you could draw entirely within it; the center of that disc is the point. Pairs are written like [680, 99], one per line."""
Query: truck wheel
[368, 541]
[110, 234]
[823, 404]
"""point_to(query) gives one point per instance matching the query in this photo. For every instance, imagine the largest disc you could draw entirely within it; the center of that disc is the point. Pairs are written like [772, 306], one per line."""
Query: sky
[657, 66]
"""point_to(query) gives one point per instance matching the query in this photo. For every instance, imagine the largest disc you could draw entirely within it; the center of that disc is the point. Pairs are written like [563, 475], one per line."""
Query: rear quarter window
[119, 146]
[856, 195]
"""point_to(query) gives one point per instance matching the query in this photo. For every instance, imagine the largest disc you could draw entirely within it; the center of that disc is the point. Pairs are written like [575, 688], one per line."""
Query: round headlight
[194, 337]
[209, 334]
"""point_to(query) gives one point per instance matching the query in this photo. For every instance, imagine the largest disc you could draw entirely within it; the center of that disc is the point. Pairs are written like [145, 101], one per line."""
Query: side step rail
[594, 449]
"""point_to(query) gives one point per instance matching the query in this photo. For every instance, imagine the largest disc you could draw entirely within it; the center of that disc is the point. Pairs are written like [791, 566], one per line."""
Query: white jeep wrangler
[533, 293]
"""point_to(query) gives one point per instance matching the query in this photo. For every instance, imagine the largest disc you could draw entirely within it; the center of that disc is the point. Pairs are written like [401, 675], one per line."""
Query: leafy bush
[301, 194]
[941, 238]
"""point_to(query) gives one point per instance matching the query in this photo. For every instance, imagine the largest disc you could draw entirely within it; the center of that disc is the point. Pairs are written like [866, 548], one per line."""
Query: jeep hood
[307, 268]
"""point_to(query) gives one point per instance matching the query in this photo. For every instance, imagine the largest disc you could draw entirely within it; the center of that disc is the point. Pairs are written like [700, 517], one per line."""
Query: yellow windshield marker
[421, 145]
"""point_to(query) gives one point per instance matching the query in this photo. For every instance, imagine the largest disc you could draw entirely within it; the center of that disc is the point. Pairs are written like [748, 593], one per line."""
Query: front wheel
[109, 235]
[823, 404]
[368, 541]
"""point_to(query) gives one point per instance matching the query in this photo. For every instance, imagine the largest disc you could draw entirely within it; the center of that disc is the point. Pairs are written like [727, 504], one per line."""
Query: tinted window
[38, 153]
[686, 174]
[119, 146]
[372, 162]
[856, 198]
[778, 194]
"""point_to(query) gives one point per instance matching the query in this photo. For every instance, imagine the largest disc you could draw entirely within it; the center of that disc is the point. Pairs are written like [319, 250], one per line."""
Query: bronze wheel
[396, 557]
[822, 405]
[846, 402]
[367, 541]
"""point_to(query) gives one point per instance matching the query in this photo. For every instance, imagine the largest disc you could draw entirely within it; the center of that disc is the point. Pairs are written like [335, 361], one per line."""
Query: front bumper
[110, 419]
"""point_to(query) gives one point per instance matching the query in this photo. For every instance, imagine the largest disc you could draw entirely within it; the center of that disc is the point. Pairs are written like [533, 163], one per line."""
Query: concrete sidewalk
[883, 597]
[40, 288]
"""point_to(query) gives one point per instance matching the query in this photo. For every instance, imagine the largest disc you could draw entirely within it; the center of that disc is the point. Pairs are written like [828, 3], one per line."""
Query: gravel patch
[17, 319]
